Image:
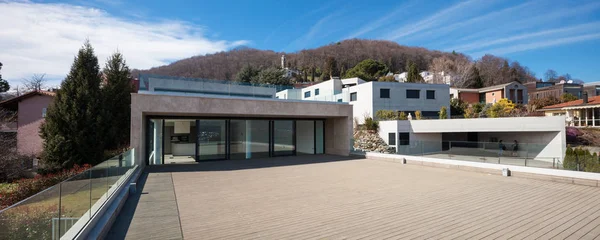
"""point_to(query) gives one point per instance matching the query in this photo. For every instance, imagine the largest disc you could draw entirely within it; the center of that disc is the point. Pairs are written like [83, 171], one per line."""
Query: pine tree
[330, 69]
[413, 75]
[72, 131]
[474, 79]
[116, 97]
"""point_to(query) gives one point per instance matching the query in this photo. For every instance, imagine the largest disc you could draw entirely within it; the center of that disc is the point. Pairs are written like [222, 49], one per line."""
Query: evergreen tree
[247, 74]
[72, 131]
[273, 76]
[368, 70]
[116, 97]
[4, 86]
[474, 80]
[413, 75]
[443, 113]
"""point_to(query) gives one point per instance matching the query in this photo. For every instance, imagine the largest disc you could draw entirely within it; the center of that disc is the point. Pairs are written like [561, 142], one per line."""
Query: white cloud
[436, 19]
[381, 21]
[44, 38]
[539, 44]
[584, 28]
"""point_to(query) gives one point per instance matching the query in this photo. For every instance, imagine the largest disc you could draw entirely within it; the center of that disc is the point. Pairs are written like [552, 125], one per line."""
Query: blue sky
[42, 37]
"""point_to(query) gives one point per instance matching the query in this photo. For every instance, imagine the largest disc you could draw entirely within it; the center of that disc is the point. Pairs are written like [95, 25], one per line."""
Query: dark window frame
[353, 96]
[403, 138]
[427, 94]
[307, 94]
[384, 93]
[411, 96]
[392, 138]
[316, 92]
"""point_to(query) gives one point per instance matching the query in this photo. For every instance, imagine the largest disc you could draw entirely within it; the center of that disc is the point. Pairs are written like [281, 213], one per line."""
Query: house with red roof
[584, 112]
[31, 112]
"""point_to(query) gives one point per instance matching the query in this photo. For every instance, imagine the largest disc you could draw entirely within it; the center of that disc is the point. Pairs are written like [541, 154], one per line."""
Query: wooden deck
[327, 197]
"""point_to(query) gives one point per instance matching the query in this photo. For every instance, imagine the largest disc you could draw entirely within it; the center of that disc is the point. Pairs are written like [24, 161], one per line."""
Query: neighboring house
[583, 112]
[514, 91]
[543, 138]
[401, 77]
[31, 111]
[592, 89]
[537, 90]
[369, 97]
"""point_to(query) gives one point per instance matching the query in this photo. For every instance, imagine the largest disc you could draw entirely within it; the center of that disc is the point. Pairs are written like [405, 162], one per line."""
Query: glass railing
[525, 154]
[67, 206]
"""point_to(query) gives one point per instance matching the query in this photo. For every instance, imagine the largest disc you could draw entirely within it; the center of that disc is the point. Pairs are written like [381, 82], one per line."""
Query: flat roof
[509, 124]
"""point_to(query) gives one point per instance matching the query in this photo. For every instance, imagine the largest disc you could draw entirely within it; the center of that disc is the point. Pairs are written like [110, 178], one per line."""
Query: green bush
[418, 115]
[443, 113]
[584, 158]
[402, 116]
[371, 124]
[384, 115]
[28, 187]
[28, 222]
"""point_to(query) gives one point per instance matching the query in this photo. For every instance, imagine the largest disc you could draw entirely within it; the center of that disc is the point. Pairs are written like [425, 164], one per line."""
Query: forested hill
[348, 53]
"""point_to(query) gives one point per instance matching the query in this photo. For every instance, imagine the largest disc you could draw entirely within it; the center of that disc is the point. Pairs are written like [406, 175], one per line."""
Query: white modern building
[369, 97]
[539, 138]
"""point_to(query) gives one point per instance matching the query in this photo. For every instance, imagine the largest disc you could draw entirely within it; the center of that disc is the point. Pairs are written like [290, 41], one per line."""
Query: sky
[42, 37]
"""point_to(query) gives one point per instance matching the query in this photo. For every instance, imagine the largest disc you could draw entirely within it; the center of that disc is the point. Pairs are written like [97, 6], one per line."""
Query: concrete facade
[337, 116]
[545, 134]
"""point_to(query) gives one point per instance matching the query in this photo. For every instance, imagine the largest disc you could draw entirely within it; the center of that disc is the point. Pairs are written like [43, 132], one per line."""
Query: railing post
[59, 206]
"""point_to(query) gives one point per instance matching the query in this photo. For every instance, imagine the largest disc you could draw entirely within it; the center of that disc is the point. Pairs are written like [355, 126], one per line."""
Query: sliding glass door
[284, 138]
[212, 140]
[249, 139]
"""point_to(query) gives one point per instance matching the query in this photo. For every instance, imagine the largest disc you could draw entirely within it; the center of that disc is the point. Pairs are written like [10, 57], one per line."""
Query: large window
[248, 139]
[283, 138]
[384, 93]
[316, 92]
[307, 94]
[403, 138]
[353, 97]
[392, 138]
[430, 94]
[410, 93]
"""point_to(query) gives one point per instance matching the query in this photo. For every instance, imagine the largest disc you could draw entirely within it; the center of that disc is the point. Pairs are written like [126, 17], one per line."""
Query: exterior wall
[494, 96]
[550, 113]
[29, 121]
[208, 87]
[469, 97]
[363, 106]
[399, 102]
[338, 117]
[516, 87]
[293, 94]
[327, 90]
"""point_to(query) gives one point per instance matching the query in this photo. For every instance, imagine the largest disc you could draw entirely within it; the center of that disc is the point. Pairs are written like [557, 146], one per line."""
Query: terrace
[334, 197]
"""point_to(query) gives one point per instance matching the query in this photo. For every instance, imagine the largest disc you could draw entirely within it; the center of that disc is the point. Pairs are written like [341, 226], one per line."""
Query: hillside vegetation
[338, 58]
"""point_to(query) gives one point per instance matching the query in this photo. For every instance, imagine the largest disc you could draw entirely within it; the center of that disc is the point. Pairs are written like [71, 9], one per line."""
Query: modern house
[592, 89]
[583, 112]
[537, 90]
[31, 111]
[181, 120]
[514, 91]
[367, 98]
[543, 138]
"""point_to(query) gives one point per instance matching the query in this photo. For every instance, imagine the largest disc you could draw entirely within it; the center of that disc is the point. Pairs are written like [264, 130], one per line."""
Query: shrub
[384, 115]
[457, 106]
[371, 124]
[28, 222]
[502, 108]
[443, 113]
[402, 116]
[418, 115]
[28, 187]
[14, 166]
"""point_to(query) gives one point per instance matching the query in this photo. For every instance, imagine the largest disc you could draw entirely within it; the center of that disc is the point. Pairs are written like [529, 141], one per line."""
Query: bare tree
[34, 83]
[550, 75]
